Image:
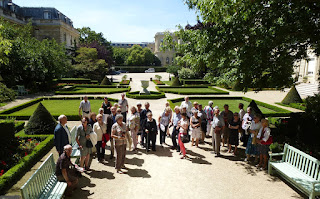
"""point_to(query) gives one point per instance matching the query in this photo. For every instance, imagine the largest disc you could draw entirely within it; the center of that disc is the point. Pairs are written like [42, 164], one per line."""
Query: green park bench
[21, 90]
[43, 183]
[75, 147]
[298, 168]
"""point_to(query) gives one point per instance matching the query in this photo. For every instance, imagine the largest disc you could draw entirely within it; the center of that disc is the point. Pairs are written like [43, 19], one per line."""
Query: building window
[65, 37]
[172, 60]
[311, 66]
[167, 60]
[47, 15]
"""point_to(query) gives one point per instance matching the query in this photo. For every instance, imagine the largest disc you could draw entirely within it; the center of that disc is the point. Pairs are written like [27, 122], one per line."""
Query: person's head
[119, 118]
[149, 115]
[85, 121]
[167, 111]
[257, 118]
[99, 118]
[249, 110]
[195, 113]
[93, 115]
[196, 105]
[236, 115]
[183, 109]
[106, 99]
[118, 111]
[113, 110]
[116, 105]
[133, 109]
[85, 98]
[101, 111]
[139, 105]
[167, 104]
[62, 119]
[184, 115]
[200, 107]
[216, 111]
[226, 107]
[67, 149]
[146, 105]
[240, 106]
[210, 103]
[122, 95]
[177, 109]
[186, 98]
[264, 122]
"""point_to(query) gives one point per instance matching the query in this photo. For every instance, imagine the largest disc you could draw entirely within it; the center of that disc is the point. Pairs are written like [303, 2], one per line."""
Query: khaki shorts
[226, 133]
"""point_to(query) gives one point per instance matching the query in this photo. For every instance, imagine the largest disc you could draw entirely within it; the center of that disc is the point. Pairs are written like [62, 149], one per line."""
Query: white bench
[75, 147]
[298, 168]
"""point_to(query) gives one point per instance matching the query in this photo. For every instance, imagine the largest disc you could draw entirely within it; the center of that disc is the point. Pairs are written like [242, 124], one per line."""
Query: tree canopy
[252, 43]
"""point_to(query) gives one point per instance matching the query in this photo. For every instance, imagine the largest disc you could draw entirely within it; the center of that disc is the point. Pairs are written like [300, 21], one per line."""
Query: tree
[88, 65]
[255, 42]
[139, 56]
[120, 56]
[173, 69]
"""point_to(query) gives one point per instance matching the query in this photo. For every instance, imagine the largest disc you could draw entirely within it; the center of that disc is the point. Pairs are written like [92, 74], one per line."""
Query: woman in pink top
[183, 126]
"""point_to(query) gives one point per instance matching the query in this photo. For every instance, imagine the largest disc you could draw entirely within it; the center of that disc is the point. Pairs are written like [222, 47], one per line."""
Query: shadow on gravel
[101, 174]
[138, 173]
[79, 193]
[135, 161]
[160, 151]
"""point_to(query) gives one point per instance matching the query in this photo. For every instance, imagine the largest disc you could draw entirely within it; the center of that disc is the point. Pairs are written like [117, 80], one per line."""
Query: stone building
[307, 71]
[149, 45]
[166, 57]
[48, 23]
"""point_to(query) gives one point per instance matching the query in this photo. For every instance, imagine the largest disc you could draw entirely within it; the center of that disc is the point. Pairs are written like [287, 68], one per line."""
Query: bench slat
[300, 161]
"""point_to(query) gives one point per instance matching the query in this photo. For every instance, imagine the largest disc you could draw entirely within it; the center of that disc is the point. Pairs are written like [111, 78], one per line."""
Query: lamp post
[112, 68]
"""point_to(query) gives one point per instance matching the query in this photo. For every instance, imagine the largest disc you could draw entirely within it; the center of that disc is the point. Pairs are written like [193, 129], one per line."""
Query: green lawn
[233, 104]
[84, 90]
[169, 83]
[192, 91]
[3, 104]
[58, 107]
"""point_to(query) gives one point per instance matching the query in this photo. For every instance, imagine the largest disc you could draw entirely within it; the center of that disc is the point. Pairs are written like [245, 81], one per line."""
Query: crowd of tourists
[118, 127]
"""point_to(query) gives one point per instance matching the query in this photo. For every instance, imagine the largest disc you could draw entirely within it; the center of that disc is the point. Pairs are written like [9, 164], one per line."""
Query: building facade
[166, 57]
[47, 23]
[307, 71]
[149, 45]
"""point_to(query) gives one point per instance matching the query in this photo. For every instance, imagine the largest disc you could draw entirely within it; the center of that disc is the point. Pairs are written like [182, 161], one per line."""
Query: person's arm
[65, 176]
[57, 140]
[80, 112]
[191, 124]
[77, 138]
[159, 120]
[127, 106]
[198, 123]
[102, 105]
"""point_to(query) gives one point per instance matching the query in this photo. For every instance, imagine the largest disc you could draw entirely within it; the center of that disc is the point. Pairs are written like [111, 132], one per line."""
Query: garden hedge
[128, 88]
[25, 164]
[154, 95]
[18, 126]
[280, 112]
[215, 91]
[141, 69]
[300, 106]
[292, 97]
[73, 80]
[194, 81]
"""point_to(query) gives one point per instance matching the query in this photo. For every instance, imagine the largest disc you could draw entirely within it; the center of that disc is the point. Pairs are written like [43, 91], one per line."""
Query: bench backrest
[44, 176]
[302, 161]
[21, 88]
[73, 133]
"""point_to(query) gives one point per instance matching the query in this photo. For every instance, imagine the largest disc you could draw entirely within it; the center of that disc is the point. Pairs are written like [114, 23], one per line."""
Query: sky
[122, 20]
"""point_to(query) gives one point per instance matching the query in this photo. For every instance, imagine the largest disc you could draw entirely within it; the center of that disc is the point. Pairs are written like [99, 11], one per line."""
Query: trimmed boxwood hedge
[25, 164]
[73, 80]
[194, 81]
[19, 125]
[141, 69]
[215, 91]
[280, 111]
[70, 92]
[154, 95]
[294, 105]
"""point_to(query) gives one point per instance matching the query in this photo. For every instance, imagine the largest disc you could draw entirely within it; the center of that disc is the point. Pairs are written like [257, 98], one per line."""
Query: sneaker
[217, 155]
[246, 160]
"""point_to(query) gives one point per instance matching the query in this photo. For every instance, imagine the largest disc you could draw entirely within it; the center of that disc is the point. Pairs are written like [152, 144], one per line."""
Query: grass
[84, 90]
[301, 106]
[58, 107]
[192, 91]
[169, 83]
[3, 104]
[233, 104]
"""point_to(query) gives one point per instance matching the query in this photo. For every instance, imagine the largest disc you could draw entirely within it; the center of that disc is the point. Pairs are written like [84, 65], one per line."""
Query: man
[186, 103]
[123, 103]
[209, 111]
[62, 135]
[175, 131]
[203, 117]
[217, 127]
[84, 108]
[66, 171]
[143, 117]
[227, 117]
[246, 121]
[241, 112]
[110, 120]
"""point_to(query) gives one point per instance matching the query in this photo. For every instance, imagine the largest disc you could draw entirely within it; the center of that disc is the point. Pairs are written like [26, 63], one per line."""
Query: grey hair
[210, 103]
[68, 146]
[118, 116]
[61, 117]
[101, 109]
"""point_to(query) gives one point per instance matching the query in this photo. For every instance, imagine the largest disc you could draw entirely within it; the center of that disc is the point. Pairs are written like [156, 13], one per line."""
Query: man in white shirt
[123, 103]
[85, 107]
[186, 103]
[216, 129]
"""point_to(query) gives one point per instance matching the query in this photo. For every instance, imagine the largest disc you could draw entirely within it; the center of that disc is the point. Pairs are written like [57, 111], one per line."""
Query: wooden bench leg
[312, 195]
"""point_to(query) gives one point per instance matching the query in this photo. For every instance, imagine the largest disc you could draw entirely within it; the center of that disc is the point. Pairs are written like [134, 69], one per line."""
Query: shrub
[124, 77]
[176, 82]
[292, 97]
[186, 73]
[173, 70]
[7, 136]
[158, 77]
[41, 122]
[105, 81]
[6, 94]
[275, 148]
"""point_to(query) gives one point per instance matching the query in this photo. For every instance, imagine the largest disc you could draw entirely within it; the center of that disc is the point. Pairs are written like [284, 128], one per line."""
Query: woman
[263, 140]
[183, 125]
[134, 125]
[195, 123]
[251, 149]
[83, 134]
[234, 126]
[118, 133]
[150, 127]
[93, 119]
[106, 105]
[163, 123]
[100, 128]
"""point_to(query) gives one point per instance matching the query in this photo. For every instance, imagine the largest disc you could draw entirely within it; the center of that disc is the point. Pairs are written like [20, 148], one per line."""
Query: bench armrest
[314, 183]
[275, 154]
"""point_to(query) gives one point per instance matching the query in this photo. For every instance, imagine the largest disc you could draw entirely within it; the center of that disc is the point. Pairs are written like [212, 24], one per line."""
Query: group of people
[189, 121]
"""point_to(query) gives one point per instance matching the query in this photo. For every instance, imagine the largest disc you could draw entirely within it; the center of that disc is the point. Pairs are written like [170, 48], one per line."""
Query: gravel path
[162, 174]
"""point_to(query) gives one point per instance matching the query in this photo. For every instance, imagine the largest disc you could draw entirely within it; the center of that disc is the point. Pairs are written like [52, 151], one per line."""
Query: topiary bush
[41, 122]
[176, 82]
[105, 81]
[6, 94]
[292, 97]
[7, 136]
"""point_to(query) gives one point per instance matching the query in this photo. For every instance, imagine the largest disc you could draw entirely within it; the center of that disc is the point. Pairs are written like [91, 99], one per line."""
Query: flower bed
[158, 82]
[125, 82]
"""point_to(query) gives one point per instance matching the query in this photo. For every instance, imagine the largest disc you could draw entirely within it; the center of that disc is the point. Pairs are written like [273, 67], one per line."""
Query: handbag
[89, 144]
[185, 138]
